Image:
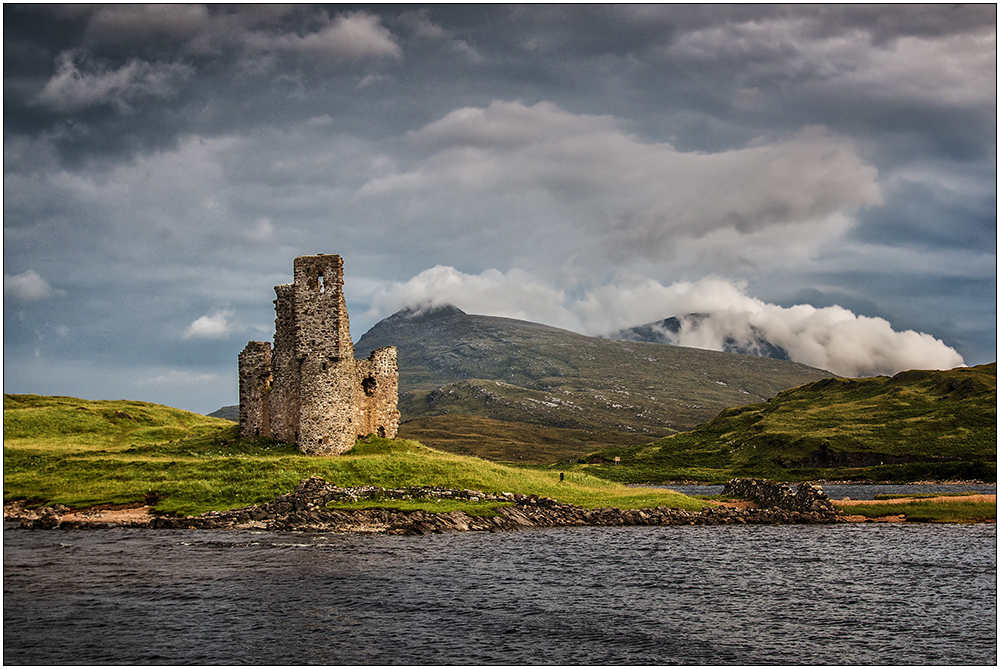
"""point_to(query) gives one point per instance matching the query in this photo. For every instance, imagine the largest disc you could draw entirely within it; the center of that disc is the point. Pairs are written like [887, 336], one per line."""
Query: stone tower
[255, 383]
[316, 395]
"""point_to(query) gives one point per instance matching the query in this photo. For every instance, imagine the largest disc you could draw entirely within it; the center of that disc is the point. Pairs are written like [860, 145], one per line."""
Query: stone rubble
[808, 498]
[305, 510]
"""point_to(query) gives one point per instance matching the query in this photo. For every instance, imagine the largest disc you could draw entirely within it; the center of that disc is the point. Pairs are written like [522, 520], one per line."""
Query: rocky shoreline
[305, 510]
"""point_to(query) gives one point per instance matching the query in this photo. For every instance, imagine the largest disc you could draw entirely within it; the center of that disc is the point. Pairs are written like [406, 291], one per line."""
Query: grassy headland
[63, 450]
[916, 425]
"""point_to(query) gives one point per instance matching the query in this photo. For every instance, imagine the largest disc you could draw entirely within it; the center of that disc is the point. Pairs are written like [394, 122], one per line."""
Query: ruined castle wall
[320, 397]
[255, 384]
[324, 346]
[323, 329]
[326, 419]
[285, 371]
[377, 394]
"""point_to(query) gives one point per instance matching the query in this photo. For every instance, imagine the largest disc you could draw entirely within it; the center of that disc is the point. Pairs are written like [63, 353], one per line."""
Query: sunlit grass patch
[917, 425]
[191, 464]
[926, 495]
[70, 425]
[924, 511]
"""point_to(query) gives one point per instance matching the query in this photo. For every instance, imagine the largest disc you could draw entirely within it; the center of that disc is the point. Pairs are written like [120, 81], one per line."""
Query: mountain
[670, 331]
[510, 370]
[915, 425]
[227, 413]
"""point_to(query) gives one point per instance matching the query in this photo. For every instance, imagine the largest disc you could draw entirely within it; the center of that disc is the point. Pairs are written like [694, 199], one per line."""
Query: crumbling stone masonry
[310, 390]
[809, 497]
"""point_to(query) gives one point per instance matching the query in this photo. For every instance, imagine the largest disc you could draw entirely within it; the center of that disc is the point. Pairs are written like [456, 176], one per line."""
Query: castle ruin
[309, 390]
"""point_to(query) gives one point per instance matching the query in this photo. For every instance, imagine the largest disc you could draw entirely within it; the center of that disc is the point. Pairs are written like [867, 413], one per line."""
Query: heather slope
[915, 425]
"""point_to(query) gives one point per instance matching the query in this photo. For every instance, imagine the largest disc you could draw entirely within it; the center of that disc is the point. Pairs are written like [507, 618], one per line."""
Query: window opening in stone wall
[381, 431]
[322, 284]
[369, 385]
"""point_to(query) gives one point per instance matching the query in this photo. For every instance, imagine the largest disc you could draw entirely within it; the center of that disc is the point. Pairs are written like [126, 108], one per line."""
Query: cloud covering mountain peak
[831, 338]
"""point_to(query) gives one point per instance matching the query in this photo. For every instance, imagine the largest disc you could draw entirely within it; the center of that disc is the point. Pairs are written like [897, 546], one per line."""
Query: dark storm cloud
[587, 166]
[920, 208]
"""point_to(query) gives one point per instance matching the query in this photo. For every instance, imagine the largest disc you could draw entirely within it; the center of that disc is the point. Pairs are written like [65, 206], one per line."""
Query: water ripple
[854, 594]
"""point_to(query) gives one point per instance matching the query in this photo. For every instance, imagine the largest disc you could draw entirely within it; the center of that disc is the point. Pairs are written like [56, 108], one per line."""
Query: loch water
[843, 594]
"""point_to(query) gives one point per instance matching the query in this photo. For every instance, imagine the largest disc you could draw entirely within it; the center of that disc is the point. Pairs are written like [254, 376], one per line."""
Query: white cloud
[373, 79]
[507, 185]
[179, 378]
[27, 286]
[831, 338]
[539, 170]
[348, 37]
[937, 70]
[259, 28]
[254, 34]
[73, 88]
[959, 70]
[147, 22]
[214, 325]
[514, 295]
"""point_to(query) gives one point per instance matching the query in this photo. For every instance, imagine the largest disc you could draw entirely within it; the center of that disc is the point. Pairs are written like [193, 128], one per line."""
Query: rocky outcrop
[305, 509]
[808, 498]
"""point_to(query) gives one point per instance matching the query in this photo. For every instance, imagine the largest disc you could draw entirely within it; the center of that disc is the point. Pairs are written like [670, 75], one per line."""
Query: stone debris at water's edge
[305, 510]
[808, 498]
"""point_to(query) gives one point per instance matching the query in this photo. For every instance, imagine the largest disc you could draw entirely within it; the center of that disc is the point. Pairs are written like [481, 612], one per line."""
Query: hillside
[40, 423]
[227, 413]
[514, 442]
[79, 453]
[515, 371]
[914, 425]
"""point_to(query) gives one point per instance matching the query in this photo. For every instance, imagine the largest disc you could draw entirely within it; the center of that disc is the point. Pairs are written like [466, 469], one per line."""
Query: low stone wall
[809, 497]
[304, 509]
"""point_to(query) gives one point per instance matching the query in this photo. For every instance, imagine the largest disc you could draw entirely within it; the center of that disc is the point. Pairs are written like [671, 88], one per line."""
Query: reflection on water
[850, 594]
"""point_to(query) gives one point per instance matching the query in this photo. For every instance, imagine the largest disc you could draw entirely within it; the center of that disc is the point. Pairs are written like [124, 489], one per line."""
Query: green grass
[45, 423]
[511, 442]
[930, 512]
[917, 425]
[927, 495]
[61, 450]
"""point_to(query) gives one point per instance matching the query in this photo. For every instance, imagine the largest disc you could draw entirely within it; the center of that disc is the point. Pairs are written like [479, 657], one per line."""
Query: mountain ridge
[514, 370]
